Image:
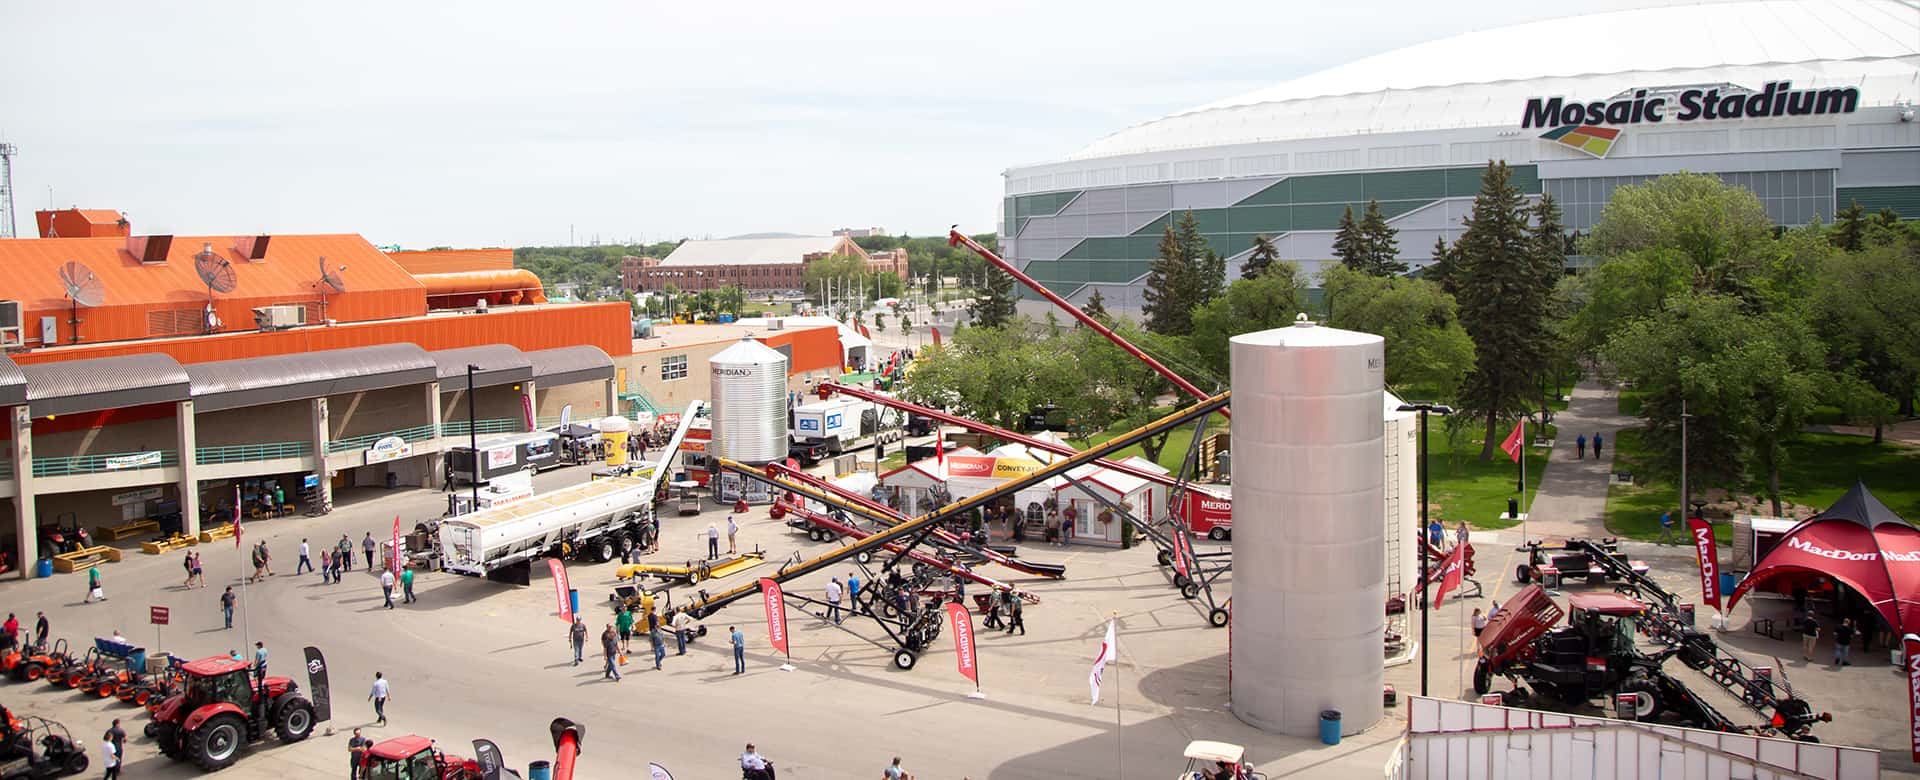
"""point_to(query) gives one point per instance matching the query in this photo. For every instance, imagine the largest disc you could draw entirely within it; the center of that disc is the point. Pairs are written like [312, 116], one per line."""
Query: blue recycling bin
[573, 600]
[44, 569]
[540, 770]
[1330, 727]
[1727, 583]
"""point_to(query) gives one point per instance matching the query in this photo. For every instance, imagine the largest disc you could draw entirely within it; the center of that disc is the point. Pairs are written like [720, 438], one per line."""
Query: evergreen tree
[1349, 245]
[1441, 270]
[1886, 218]
[1263, 256]
[1504, 304]
[1549, 239]
[1097, 307]
[1381, 242]
[1166, 309]
[995, 308]
[1849, 228]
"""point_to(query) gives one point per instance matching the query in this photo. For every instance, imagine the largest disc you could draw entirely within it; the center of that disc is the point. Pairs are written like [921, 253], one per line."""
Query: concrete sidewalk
[1572, 498]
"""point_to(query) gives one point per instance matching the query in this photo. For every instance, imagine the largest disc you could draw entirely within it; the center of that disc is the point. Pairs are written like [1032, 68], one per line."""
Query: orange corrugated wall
[604, 325]
[814, 349]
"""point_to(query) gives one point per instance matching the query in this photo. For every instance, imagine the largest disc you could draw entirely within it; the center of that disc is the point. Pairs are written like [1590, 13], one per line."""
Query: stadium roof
[1484, 78]
[755, 251]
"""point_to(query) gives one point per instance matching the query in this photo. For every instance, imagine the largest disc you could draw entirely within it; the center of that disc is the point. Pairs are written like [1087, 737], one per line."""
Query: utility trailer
[826, 428]
[596, 520]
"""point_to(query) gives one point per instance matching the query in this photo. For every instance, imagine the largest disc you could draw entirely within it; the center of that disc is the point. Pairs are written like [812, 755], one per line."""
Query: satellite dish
[215, 271]
[331, 278]
[83, 289]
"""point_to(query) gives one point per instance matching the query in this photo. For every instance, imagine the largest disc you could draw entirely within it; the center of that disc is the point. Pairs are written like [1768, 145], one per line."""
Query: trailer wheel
[1482, 677]
[693, 575]
[625, 542]
[1218, 534]
[813, 534]
[1189, 591]
[1217, 618]
[702, 631]
[1180, 580]
[1164, 557]
[904, 658]
[863, 556]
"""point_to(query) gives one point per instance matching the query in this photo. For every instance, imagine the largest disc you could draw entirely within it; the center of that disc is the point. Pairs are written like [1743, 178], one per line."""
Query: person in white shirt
[110, 758]
[386, 584]
[379, 698]
[732, 528]
[305, 563]
[682, 631]
[713, 541]
[833, 600]
[755, 765]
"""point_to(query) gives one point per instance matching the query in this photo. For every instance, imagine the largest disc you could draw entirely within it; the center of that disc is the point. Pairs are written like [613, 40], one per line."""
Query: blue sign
[809, 424]
[833, 421]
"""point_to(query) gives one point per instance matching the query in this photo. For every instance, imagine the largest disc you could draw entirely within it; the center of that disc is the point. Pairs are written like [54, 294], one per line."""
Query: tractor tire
[1482, 677]
[295, 721]
[1217, 618]
[32, 671]
[152, 729]
[904, 658]
[1189, 591]
[216, 744]
[104, 690]
[76, 762]
[1648, 707]
[141, 697]
[1219, 534]
[1521, 575]
[1164, 558]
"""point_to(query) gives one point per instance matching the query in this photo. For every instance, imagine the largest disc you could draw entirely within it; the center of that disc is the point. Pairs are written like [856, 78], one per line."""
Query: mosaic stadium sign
[1592, 127]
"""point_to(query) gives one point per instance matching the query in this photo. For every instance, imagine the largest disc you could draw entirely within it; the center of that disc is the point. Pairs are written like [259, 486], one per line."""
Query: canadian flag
[1108, 652]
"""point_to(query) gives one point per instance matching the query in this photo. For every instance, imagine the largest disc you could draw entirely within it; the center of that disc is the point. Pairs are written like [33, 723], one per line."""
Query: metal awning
[567, 365]
[231, 384]
[74, 386]
[499, 364]
[13, 384]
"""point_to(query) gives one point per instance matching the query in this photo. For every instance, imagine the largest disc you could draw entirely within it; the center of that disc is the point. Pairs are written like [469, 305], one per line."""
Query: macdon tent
[1859, 542]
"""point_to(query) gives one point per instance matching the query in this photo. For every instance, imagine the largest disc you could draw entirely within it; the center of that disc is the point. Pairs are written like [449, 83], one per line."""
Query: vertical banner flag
[559, 572]
[1180, 542]
[317, 685]
[962, 625]
[526, 409]
[1707, 555]
[1911, 645]
[236, 517]
[939, 444]
[936, 337]
[1512, 445]
[487, 755]
[776, 615]
[1108, 652]
[1450, 573]
[398, 550]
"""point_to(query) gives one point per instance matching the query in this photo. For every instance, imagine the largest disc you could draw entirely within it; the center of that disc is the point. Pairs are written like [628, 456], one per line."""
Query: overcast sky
[504, 124]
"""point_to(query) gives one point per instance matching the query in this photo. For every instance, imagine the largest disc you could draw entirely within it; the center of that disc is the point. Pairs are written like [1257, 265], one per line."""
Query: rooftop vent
[149, 249]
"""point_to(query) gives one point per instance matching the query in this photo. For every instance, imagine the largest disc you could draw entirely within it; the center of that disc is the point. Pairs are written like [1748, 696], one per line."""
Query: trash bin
[573, 600]
[392, 480]
[1727, 583]
[540, 770]
[1330, 727]
[45, 569]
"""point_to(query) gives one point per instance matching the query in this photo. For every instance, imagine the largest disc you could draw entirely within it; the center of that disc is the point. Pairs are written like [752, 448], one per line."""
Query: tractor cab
[218, 680]
[413, 758]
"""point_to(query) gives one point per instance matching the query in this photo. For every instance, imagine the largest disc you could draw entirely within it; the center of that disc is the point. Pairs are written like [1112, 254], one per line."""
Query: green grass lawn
[1463, 487]
[1630, 401]
[1820, 467]
[1170, 456]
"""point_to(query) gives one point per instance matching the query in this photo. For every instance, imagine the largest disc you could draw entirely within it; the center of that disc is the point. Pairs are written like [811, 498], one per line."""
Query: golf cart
[688, 502]
[1209, 760]
[33, 748]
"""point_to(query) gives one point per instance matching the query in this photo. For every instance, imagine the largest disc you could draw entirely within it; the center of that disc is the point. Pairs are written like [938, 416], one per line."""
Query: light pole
[1423, 407]
[1684, 495]
[473, 440]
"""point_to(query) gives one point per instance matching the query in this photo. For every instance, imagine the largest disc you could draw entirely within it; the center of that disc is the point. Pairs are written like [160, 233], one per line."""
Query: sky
[509, 124]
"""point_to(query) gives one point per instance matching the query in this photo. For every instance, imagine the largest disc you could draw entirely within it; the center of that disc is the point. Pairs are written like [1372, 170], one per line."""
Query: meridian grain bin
[749, 412]
[1309, 566]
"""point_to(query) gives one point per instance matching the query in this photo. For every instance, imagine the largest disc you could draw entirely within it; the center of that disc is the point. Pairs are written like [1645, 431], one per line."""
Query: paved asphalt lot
[479, 659]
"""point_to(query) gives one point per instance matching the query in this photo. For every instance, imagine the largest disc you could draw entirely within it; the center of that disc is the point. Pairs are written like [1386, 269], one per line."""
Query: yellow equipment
[695, 571]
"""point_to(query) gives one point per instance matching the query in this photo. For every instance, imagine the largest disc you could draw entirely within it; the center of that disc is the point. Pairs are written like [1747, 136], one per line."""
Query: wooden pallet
[216, 533]
[114, 533]
[85, 558]
[175, 542]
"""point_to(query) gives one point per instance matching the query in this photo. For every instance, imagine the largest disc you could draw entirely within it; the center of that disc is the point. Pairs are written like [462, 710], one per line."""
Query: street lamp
[1684, 495]
[1423, 407]
[473, 440]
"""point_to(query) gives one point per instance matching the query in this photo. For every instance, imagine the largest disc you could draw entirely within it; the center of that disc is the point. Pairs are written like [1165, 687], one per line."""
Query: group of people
[617, 640]
[1580, 446]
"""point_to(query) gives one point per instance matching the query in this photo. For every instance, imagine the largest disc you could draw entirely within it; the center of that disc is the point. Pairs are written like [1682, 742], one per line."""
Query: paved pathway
[1572, 497]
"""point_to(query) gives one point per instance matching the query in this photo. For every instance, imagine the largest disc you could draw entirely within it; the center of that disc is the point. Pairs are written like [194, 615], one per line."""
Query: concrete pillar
[613, 399]
[189, 468]
[322, 431]
[26, 526]
[529, 402]
[436, 461]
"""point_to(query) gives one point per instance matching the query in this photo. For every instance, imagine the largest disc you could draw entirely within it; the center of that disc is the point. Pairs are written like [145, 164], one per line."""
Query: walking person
[959, 589]
[259, 563]
[577, 633]
[1596, 446]
[304, 564]
[344, 549]
[659, 642]
[406, 583]
[186, 563]
[368, 546]
[1580, 447]
[1016, 617]
[117, 737]
[853, 592]
[199, 574]
[739, 641]
[623, 620]
[732, 528]
[386, 586]
[610, 647]
[833, 600]
[379, 698]
[266, 557]
[1479, 621]
[1666, 528]
[357, 748]
[40, 630]
[1843, 643]
[682, 631]
[326, 566]
[1809, 633]
[895, 772]
[227, 600]
[993, 612]
[713, 542]
[94, 591]
[109, 758]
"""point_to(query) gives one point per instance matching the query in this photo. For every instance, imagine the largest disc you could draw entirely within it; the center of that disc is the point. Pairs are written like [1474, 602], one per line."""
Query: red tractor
[223, 708]
[415, 758]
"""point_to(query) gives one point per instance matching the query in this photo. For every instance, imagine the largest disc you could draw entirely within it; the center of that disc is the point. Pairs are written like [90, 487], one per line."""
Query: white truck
[826, 428]
[596, 520]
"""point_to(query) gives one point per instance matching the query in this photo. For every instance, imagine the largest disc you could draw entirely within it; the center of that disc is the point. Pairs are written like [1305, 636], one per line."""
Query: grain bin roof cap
[747, 352]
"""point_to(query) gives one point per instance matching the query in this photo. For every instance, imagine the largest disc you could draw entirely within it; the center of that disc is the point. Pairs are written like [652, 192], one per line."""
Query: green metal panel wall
[1903, 199]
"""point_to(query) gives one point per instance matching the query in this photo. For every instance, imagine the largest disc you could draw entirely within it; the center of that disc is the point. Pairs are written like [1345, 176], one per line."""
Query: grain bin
[1309, 563]
[750, 403]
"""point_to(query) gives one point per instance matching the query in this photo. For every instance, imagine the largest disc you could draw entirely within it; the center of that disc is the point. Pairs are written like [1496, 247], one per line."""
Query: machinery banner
[559, 572]
[1180, 550]
[1910, 645]
[487, 755]
[963, 641]
[1451, 571]
[400, 552]
[1707, 555]
[317, 683]
[776, 615]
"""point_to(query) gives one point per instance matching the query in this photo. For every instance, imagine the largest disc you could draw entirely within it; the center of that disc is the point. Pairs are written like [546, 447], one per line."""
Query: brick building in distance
[753, 263]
